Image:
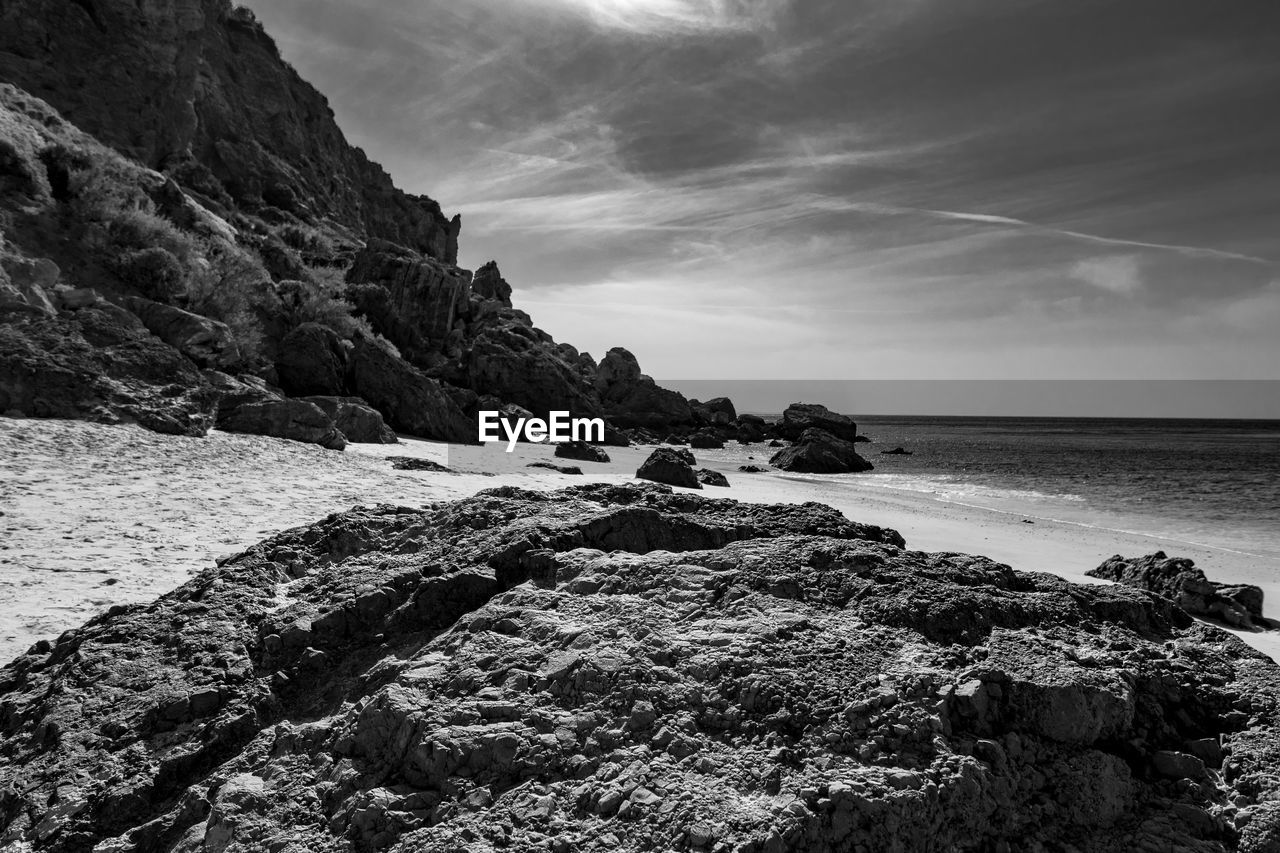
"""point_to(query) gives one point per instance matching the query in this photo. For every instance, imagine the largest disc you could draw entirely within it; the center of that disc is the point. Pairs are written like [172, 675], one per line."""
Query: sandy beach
[100, 515]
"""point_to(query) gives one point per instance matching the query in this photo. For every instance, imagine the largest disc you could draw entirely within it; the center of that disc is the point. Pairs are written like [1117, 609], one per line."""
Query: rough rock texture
[356, 420]
[581, 451]
[504, 354]
[246, 404]
[707, 477]
[488, 283]
[100, 363]
[612, 668]
[1178, 579]
[206, 342]
[413, 300]
[197, 88]
[819, 452]
[551, 466]
[633, 399]
[665, 465]
[799, 417]
[312, 360]
[413, 463]
[25, 285]
[410, 401]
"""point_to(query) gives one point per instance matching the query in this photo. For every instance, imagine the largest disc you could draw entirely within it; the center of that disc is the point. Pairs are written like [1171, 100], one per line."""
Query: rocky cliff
[620, 668]
[197, 89]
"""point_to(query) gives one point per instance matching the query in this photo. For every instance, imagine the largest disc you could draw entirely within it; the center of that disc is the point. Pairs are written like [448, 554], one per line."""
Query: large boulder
[799, 417]
[100, 364]
[312, 360]
[708, 477]
[619, 667]
[206, 342]
[665, 465]
[356, 420]
[819, 452]
[633, 399]
[1179, 580]
[410, 401]
[247, 404]
[581, 451]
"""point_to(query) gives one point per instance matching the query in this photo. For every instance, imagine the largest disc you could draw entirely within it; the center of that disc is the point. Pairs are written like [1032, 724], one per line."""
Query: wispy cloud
[899, 187]
[666, 17]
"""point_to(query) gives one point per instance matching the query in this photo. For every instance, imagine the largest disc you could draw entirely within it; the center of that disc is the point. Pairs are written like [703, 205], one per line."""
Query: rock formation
[414, 301]
[581, 451]
[668, 466]
[99, 363]
[817, 451]
[355, 419]
[799, 417]
[410, 401]
[619, 668]
[633, 399]
[559, 469]
[707, 477]
[199, 90]
[1179, 580]
[206, 342]
[250, 238]
[247, 404]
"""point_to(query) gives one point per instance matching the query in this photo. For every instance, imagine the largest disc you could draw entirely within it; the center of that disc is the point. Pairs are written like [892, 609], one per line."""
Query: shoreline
[97, 515]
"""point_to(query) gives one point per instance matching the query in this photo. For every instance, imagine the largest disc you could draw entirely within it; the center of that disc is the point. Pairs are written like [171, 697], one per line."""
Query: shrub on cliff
[231, 286]
[153, 271]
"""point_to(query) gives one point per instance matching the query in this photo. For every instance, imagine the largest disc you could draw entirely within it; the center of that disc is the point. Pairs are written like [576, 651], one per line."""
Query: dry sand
[99, 515]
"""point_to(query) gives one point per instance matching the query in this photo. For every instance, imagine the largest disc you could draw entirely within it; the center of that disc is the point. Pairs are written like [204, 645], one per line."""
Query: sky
[841, 189]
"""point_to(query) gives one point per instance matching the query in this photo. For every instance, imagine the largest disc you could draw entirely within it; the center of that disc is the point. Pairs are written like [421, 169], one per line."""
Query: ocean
[1208, 482]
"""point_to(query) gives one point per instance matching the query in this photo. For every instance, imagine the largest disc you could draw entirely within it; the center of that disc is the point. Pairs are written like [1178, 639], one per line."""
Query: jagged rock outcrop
[411, 402]
[100, 363]
[633, 399]
[799, 417]
[247, 404]
[206, 342]
[619, 668]
[198, 89]
[509, 357]
[415, 301]
[355, 419]
[668, 466]
[817, 451]
[488, 283]
[1179, 580]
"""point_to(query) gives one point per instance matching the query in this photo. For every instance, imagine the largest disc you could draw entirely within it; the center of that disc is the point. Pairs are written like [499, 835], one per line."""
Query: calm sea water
[1213, 482]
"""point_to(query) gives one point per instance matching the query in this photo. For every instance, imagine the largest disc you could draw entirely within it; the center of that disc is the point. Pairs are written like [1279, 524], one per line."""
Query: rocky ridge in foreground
[623, 668]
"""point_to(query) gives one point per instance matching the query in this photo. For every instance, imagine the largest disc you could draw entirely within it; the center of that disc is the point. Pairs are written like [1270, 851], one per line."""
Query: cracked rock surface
[623, 668]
